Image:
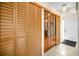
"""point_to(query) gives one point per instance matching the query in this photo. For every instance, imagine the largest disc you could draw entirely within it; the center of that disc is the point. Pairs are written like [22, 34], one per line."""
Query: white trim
[42, 12]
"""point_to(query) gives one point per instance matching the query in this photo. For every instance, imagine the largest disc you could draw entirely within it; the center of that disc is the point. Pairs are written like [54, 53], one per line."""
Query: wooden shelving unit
[51, 30]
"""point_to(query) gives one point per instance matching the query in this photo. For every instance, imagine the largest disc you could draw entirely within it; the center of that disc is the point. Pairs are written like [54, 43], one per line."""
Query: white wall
[61, 29]
[71, 26]
[78, 21]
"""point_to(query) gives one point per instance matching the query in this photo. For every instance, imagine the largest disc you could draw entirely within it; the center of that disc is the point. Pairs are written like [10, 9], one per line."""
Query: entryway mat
[70, 43]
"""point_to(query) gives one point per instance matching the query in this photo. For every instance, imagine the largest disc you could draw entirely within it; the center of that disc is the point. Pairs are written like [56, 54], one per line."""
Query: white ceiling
[58, 5]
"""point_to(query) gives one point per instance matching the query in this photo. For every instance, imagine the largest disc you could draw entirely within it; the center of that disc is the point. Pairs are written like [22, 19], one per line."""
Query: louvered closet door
[7, 31]
[31, 21]
[34, 30]
[21, 28]
[37, 30]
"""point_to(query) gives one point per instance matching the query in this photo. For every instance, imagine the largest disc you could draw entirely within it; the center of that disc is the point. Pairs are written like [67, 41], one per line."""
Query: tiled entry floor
[63, 50]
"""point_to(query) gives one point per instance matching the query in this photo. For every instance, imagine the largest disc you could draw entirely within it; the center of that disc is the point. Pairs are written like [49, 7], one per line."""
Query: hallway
[37, 28]
[68, 29]
[63, 50]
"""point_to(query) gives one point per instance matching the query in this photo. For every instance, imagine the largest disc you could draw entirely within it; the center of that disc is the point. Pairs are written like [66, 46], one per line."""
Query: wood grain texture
[57, 29]
[49, 26]
[7, 32]
[20, 29]
[34, 27]
[38, 22]
[21, 21]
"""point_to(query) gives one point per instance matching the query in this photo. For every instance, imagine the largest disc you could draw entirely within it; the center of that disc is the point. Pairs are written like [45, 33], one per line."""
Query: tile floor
[63, 50]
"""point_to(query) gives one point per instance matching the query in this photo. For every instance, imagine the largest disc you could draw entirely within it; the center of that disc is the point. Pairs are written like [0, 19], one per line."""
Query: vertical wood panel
[57, 29]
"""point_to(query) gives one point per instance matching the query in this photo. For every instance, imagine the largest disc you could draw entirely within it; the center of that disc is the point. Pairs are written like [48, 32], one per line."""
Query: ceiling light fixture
[64, 7]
